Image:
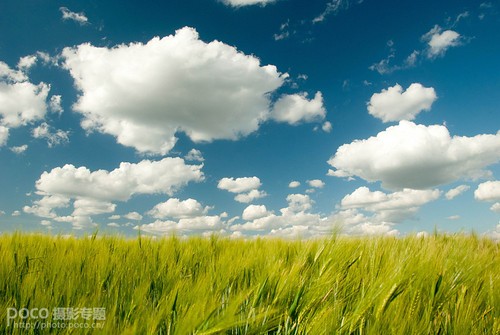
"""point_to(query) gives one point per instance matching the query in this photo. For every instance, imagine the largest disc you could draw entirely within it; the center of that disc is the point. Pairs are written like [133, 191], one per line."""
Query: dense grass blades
[435, 285]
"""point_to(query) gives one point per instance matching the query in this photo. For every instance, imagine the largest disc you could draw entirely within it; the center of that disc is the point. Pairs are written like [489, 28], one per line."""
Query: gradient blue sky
[250, 117]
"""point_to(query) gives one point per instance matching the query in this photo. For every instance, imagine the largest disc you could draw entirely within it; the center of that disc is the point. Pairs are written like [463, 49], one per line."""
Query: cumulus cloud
[293, 221]
[178, 209]
[439, 41]
[455, 192]
[246, 188]
[296, 108]
[254, 212]
[365, 212]
[146, 177]
[55, 104]
[316, 183]
[294, 184]
[393, 207]
[79, 18]
[199, 224]
[53, 138]
[144, 93]
[21, 102]
[94, 192]
[242, 3]
[133, 216]
[394, 104]
[488, 191]
[408, 155]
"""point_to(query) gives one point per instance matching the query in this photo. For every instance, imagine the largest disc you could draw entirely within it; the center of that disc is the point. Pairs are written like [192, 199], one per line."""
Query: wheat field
[441, 284]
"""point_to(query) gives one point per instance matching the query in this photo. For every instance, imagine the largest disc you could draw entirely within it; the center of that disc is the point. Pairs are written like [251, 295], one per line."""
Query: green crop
[442, 284]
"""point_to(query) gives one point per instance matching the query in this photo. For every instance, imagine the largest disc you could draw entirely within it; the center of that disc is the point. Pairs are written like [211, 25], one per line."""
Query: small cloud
[44, 131]
[20, 149]
[451, 194]
[113, 224]
[194, 155]
[133, 216]
[80, 18]
[316, 183]
[16, 213]
[55, 104]
[294, 184]
[394, 104]
[454, 217]
[439, 41]
[114, 217]
[26, 63]
[242, 3]
[327, 127]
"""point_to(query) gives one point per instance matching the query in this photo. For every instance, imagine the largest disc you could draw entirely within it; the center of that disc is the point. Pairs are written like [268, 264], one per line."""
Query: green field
[440, 284]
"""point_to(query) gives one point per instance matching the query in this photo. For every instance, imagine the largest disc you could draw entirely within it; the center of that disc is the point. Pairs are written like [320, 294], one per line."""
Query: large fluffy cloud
[408, 155]
[394, 104]
[144, 93]
[146, 177]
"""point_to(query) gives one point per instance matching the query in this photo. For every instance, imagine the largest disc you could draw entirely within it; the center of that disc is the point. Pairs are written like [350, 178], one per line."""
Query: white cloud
[199, 224]
[194, 155]
[146, 177]
[246, 188]
[416, 156]
[250, 196]
[53, 138]
[133, 216]
[4, 135]
[239, 185]
[316, 183]
[94, 191]
[294, 184]
[294, 220]
[16, 213]
[18, 150]
[327, 127]
[241, 3]
[394, 104]
[296, 108]
[393, 207]
[453, 217]
[55, 104]
[488, 191]
[21, 102]
[178, 209]
[144, 93]
[27, 62]
[440, 41]
[455, 192]
[88, 207]
[114, 217]
[495, 207]
[113, 224]
[332, 8]
[80, 18]
[254, 212]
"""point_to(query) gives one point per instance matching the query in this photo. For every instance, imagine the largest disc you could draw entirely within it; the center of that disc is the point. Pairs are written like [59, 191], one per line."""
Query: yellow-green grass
[442, 284]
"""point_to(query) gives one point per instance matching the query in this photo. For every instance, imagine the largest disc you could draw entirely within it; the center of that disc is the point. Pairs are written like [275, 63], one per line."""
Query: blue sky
[250, 117]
